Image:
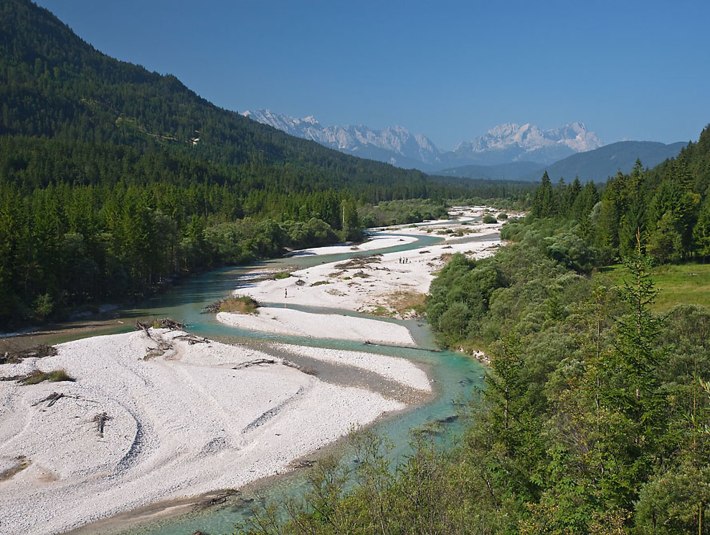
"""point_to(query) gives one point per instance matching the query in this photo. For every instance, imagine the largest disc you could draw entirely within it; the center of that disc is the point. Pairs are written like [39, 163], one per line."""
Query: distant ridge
[513, 142]
[606, 161]
[596, 165]
[504, 171]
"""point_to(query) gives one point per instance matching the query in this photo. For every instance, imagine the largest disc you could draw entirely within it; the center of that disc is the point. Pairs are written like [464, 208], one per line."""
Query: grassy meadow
[676, 284]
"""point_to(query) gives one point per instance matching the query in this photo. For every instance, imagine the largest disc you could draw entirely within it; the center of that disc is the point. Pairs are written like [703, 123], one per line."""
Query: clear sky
[628, 69]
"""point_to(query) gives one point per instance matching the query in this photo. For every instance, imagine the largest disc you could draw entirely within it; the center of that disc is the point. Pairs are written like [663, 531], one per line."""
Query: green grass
[38, 376]
[281, 275]
[677, 284]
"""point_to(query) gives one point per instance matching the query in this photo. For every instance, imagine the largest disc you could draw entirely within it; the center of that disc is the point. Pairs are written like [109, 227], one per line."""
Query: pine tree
[543, 201]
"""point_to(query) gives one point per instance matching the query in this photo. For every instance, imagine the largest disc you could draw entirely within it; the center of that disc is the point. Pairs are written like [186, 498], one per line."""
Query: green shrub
[39, 376]
[241, 304]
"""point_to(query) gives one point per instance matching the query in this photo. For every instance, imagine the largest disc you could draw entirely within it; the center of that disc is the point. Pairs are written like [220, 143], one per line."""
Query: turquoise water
[454, 376]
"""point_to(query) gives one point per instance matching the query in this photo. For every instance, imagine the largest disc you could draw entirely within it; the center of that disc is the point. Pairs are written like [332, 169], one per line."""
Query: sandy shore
[197, 418]
[388, 284]
[336, 326]
[377, 241]
[392, 368]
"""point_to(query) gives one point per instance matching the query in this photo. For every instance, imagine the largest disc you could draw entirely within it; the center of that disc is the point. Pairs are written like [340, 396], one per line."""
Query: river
[454, 376]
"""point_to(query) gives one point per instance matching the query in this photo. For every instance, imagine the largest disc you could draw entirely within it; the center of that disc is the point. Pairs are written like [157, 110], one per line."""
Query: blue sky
[628, 69]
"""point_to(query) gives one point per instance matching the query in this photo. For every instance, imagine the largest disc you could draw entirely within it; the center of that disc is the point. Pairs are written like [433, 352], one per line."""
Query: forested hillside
[595, 417]
[668, 207]
[55, 85]
[113, 179]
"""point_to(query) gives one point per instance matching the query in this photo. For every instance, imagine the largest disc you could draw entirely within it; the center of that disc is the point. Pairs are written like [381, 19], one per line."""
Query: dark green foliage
[398, 212]
[594, 418]
[667, 205]
[459, 297]
[591, 399]
[674, 501]
[521, 287]
[544, 204]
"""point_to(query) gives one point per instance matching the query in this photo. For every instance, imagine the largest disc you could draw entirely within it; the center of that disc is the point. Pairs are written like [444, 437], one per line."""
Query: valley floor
[160, 415]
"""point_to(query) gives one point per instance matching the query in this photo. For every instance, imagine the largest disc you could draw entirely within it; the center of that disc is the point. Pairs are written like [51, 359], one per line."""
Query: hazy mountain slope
[594, 165]
[504, 171]
[605, 161]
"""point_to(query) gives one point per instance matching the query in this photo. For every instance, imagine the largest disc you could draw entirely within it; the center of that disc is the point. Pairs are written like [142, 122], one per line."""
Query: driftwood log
[303, 463]
[257, 362]
[191, 339]
[51, 398]
[164, 323]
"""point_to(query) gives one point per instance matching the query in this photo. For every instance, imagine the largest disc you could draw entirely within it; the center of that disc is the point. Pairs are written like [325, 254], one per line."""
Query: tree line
[85, 222]
[668, 206]
[65, 246]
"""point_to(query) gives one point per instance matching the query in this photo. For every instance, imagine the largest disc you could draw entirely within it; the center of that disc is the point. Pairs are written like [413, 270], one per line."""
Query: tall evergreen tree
[543, 201]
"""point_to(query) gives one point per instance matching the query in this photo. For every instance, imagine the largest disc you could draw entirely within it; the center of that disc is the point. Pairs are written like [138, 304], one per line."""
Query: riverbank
[393, 284]
[140, 424]
[292, 322]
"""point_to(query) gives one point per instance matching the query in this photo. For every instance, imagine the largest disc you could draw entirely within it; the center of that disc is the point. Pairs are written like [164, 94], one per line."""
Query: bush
[242, 304]
[43, 306]
[39, 376]
[489, 219]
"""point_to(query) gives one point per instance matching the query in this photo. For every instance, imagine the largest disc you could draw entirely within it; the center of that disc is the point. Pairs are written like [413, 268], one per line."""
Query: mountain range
[506, 152]
[396, 145]
[512, 142]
